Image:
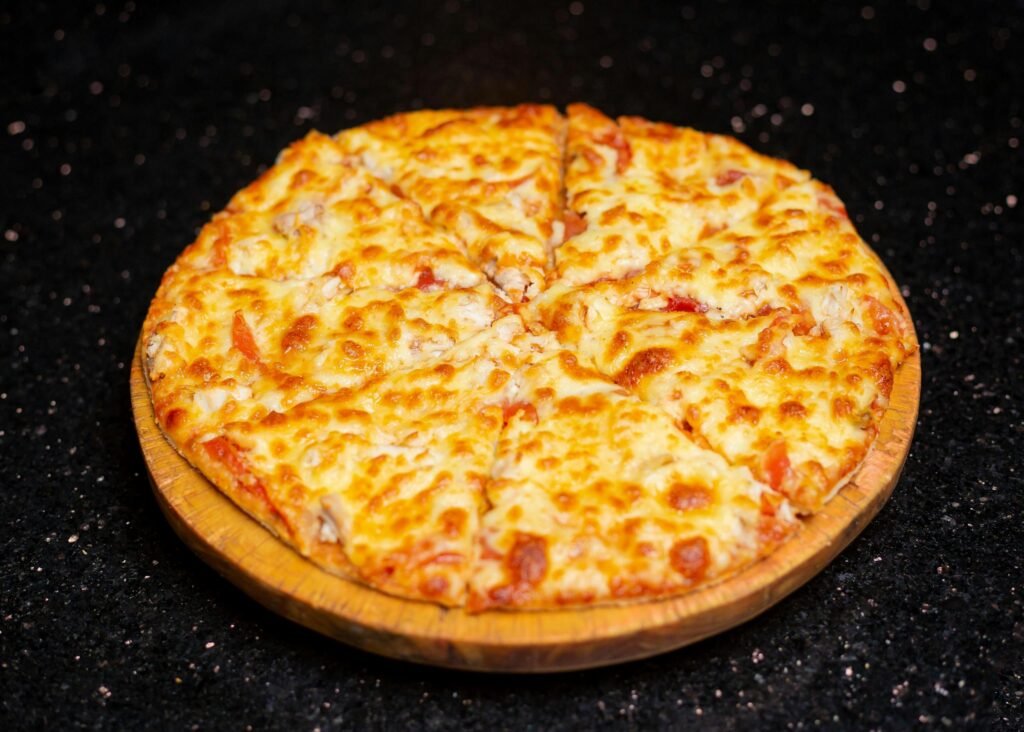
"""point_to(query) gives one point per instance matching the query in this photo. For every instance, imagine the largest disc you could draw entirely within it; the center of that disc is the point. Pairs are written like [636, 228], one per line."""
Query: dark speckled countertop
[124, 126]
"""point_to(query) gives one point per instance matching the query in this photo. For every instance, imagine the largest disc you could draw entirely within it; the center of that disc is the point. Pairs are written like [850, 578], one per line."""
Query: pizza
[510, 359]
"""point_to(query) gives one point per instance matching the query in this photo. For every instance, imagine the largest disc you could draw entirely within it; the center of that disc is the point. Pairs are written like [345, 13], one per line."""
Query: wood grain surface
[266, 569]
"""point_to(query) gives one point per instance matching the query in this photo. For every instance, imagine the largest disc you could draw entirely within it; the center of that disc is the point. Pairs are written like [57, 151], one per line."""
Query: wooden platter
[247, 554]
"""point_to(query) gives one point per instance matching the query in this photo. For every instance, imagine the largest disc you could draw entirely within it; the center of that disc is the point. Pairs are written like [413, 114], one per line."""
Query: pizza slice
[312, 165]
[384, 483]
[796, 401]
[638, 191]
[597, 497]
[491, 175]
[221, 347]
[313, 215]
[799, 251]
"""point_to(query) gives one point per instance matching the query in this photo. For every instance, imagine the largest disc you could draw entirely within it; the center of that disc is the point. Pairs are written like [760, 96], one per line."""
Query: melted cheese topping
[390, 475]
[340, 220]
[797, 252]
[347, 351]
[596, 495]
[490, 175]
[221, 347]
[645, 190]
[795, 402]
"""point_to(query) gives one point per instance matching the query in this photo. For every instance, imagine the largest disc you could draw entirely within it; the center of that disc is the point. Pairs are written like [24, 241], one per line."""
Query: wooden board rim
[535, 641]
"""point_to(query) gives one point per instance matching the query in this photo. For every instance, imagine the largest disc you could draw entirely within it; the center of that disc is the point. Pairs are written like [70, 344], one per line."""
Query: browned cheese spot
[297, 336]
[688, 497]
[202, 369]
[453, 522]
[744, 413]
[434, 586]
[644, 363]
[352, 349]
[842, 407]
[792, 409]
[527, 562]
[690, 558]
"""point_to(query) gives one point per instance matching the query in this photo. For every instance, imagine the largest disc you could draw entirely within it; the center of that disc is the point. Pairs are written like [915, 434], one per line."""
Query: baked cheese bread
[501, 359]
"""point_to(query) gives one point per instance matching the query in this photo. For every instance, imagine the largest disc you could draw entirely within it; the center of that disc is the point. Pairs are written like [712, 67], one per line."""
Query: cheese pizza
[503, 359]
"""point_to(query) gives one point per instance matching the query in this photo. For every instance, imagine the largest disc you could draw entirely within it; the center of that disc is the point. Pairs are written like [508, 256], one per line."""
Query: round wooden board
[248, 555]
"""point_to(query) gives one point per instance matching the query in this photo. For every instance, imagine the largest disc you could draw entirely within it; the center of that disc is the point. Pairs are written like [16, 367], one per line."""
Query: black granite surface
[124, 125]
